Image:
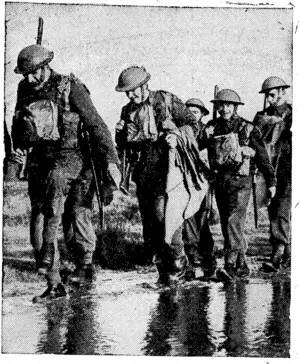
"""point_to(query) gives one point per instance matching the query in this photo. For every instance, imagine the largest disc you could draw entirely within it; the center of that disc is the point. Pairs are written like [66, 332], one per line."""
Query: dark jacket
[80, 102]
[282, 157]
[248, 135]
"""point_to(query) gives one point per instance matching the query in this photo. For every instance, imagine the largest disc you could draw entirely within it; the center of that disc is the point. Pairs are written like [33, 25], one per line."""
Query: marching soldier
[198, 239]
[233, 143]
[53, 115]
[147, 131]
[275, 123]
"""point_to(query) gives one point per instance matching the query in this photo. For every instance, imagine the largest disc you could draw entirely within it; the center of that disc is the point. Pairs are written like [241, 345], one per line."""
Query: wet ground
[123, 313]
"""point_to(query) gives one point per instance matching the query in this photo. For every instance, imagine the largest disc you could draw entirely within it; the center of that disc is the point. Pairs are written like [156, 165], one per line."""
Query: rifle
[254, 183]
[215, 111]
[210, 197]
[98, 182]
[126, 173]
[22, 175]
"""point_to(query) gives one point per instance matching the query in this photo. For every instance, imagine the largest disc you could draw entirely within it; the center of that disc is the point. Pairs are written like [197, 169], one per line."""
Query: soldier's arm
[23, 130]
[261, 157]
[101, 136]
[181, 114]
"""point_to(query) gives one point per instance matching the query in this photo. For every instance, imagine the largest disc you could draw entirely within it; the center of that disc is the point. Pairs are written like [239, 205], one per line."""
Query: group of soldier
[177, 163]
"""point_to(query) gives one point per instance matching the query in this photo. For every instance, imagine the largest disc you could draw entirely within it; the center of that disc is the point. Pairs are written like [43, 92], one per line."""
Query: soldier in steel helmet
[198, 239]
[144, 130]
[234, 144]
[53, 114]
[275, 123]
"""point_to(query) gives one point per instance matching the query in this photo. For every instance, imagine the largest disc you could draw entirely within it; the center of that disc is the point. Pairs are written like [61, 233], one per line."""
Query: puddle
[121, 314]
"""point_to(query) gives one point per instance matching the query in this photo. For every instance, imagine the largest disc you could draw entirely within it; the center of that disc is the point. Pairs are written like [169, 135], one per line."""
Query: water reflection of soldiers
[53, 115]
[198, 239]
[277, 329]
[179, 324]
[145, 130]
[236, 343]
[232, 142]
[275, 124]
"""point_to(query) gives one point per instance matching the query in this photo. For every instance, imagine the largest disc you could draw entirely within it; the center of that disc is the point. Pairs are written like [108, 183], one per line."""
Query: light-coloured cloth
[186, 187]
[44, 114]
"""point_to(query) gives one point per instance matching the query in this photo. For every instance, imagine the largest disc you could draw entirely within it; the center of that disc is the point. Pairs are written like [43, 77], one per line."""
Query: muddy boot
[45, 266]
[190, 272]
[52, 292]
[286, 259]
[226, 274]
[66, 270]
[243, 271]
[209, 266]
[179, 269]
[278, 254]
[276, 259]
[83, 274]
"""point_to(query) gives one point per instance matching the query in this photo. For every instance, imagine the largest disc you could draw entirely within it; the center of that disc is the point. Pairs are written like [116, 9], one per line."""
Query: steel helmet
[227, 95]
[132, 78]
[33, 57]
[198, 103]
[272, 82]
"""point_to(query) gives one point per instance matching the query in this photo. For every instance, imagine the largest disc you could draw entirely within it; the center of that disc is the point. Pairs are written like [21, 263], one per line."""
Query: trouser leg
[56, 191]
[146, 204]
[171, 259]
[280, 224]
[82, 194]
[36, 232]
[233, 199]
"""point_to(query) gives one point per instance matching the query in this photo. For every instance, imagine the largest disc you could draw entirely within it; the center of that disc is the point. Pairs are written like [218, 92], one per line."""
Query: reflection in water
[278, 326]
[243, 319]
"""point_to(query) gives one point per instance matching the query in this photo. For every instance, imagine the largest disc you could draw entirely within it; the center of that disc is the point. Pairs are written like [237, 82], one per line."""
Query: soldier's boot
[242, 269]
[178, 270]
[276, 259]
[226, 274]
[286, 259]
[84, 270]
[52, 292]
[163, 276]
[190, 272]
[66, 269]
[209, 266]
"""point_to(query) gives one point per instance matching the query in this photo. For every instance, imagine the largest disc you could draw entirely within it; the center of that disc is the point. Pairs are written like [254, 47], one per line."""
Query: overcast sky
[186, 50]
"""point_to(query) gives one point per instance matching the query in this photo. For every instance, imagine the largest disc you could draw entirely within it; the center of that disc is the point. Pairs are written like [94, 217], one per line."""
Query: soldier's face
[35, 77]
[38, 78]
[196, 112]
[275, 96]
[226, 110]
[135, 95]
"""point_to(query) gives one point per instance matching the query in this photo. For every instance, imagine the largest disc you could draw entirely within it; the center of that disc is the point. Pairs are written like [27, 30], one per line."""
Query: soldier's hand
[171, 140]
[19, 156]
[272, 191]
[120, 125]
[270, 194]
[209, 131]
[115, 174]
[248, 152]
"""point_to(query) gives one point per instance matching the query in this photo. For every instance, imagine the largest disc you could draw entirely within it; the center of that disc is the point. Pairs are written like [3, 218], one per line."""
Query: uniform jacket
[278, 133]
[248, 135]
[80, 102]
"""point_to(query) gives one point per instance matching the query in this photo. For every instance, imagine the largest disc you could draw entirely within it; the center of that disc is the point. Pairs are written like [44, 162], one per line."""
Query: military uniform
[50, 123]
[198, 239]
[233, 183]
[144, 131]
[275, 125]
